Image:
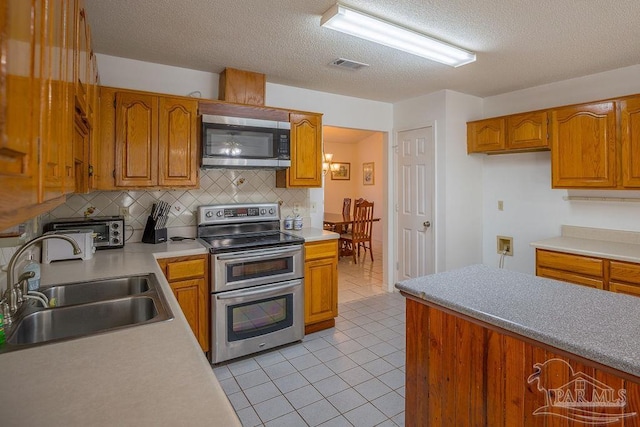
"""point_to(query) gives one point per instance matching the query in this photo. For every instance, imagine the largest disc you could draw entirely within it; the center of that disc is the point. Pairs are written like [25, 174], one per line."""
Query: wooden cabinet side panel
[630, 138]
[583, 146]
[136, 140]
[177, 142]
[462, 373]
[189, 296]
[105, 149]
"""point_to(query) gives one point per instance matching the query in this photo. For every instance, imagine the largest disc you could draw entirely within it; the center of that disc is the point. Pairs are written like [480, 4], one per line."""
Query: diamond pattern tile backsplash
[217, 186]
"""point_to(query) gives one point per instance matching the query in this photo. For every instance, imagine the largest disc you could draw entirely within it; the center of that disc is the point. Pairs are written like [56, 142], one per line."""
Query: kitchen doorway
[360, 170]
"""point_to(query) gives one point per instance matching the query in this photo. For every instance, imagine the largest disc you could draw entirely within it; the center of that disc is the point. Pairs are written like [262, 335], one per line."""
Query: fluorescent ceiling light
[349, 21]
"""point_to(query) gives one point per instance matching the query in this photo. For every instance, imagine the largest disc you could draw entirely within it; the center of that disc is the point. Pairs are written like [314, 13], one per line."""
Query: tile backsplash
[217, 186]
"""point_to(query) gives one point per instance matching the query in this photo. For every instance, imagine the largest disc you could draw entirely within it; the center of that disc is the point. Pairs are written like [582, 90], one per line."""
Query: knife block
[153, 235]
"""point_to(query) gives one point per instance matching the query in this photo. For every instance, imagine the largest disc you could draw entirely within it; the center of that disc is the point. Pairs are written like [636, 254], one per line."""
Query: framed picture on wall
[341, 171]
[368, 173]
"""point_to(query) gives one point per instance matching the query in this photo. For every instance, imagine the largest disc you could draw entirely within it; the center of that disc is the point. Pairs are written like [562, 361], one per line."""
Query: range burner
[218, 244]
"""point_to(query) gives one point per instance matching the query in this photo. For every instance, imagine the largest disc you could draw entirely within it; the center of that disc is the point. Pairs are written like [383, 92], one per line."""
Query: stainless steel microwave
[234, 142]
[108, 230]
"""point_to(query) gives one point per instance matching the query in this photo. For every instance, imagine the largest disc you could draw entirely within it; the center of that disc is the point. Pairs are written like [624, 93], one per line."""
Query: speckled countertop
[598, 325]
[148, 375]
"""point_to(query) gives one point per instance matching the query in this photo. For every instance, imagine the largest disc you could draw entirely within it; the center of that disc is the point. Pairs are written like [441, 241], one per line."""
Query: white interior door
[415, 180]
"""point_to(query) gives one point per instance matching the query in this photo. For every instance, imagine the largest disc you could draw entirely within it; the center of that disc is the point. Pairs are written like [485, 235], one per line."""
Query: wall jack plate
[505, 243]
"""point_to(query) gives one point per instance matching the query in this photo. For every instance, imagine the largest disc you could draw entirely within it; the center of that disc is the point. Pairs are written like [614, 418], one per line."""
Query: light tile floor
[350, 375]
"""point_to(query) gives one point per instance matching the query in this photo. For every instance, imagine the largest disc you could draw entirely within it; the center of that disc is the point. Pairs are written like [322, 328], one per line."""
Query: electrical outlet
[505, 245]
[124, 211]
[296, 208]
[500, 205]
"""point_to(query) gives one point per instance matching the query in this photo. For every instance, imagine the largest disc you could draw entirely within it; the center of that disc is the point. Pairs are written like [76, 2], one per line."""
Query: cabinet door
[80, 154]
[630, 129]
[306, 151]
[18, 123]
[527, 131]
[178, 142]
[583, 146]
[486, 135]
[321, 290]
[82, 52]
[189, 294]
[136, 162]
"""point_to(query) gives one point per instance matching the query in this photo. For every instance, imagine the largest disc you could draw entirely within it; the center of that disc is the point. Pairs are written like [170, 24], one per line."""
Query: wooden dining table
[339, 222]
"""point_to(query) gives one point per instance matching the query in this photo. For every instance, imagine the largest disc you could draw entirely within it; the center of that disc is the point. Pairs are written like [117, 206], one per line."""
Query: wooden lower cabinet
[610, 275]
[189, 281]
[320, 285]
[462, 372]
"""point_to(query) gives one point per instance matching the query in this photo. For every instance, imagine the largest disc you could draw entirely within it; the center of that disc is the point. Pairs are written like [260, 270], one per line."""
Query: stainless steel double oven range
[256, 279]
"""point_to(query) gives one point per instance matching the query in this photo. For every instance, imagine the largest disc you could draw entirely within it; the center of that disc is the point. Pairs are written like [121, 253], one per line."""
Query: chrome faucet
[12, 300]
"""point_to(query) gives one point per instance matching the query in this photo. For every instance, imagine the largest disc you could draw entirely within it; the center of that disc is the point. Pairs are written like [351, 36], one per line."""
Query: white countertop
[313, 234]
[611, 244]
[148, 375]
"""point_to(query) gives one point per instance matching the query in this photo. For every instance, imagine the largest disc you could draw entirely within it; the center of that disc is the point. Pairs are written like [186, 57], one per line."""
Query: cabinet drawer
[316, 250]
[625, 272]
[624, 288]
[185, 269]
[571, 263]
[567, 276]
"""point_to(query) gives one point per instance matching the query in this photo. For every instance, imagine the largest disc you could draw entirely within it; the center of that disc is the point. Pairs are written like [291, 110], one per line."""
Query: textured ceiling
[519, 44]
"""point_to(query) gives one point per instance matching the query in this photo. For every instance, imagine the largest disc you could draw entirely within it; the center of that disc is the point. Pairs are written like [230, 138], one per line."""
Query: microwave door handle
[264, 291]
[258, 254]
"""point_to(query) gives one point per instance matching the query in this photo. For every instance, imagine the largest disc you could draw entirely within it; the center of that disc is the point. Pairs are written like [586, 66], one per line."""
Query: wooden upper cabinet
[306, 152]
[136, 140]
[486, 135]
[515, 133]
[242, 87]
[156, 141]
[583, 146]
[19, 123]
[630, 138]
[527, 131]
[178, 142]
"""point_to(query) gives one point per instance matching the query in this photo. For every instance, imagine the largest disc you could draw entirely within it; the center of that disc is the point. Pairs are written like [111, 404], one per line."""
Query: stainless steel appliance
[235, 142]
[108, 230]
[257, 279]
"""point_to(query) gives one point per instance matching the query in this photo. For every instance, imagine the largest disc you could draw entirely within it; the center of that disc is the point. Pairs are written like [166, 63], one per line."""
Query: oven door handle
[258, 254]
[263, 290]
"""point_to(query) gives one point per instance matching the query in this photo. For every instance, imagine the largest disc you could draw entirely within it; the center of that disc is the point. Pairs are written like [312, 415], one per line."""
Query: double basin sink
[87, 308]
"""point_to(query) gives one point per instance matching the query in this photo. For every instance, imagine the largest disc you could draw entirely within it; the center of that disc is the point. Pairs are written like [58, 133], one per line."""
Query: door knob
[427, 224]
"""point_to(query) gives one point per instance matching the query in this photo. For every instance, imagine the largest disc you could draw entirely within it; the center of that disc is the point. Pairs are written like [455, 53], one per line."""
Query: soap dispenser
[34, 266]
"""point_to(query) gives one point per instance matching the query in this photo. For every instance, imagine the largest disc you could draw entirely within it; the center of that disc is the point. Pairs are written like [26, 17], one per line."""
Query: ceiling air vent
[348, 64]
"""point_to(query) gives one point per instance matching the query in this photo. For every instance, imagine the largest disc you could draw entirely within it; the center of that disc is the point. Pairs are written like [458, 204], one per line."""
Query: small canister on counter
[297, 223]
[288, 223]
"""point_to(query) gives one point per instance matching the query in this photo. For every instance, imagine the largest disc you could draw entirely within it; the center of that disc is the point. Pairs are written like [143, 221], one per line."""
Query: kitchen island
[492, 347]
[148, 375]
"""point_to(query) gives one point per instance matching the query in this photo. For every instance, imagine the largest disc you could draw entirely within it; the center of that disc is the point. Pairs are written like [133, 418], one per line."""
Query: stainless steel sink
[83, 319]
[98, 290]
[89, 308]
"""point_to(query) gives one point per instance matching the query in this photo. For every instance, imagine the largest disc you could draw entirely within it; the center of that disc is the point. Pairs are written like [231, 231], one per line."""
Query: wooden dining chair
[360, 235]
[346, 212]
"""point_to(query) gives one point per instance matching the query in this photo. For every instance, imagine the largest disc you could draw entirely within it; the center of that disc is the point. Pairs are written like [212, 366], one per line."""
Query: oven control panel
[238, 213]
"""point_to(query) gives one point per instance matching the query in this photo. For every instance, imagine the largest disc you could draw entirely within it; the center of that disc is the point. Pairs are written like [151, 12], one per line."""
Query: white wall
[458, 213]
[532, 210]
